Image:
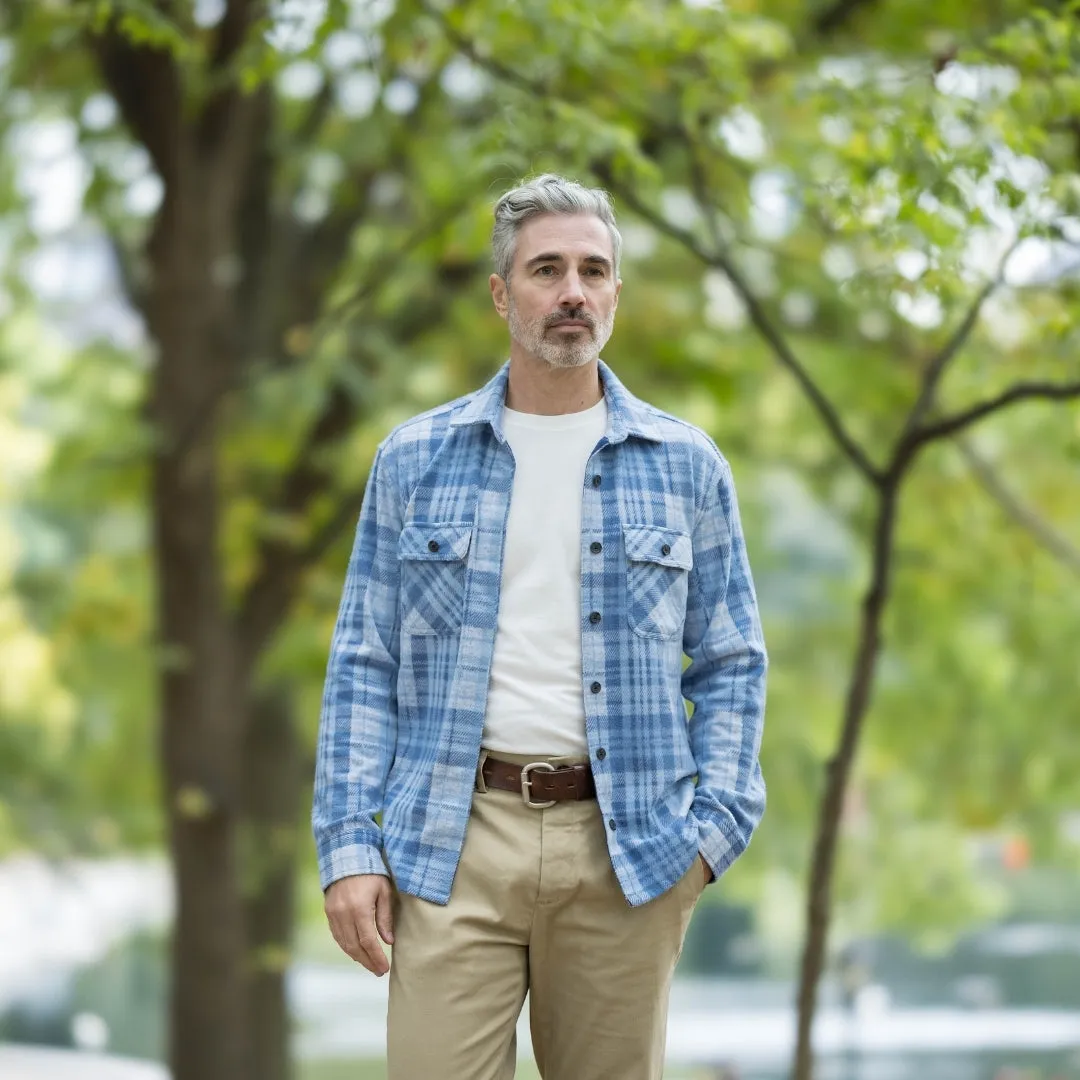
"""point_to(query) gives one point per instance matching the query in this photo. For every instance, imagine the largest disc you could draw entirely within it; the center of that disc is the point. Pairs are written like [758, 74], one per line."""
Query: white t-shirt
[535, 697]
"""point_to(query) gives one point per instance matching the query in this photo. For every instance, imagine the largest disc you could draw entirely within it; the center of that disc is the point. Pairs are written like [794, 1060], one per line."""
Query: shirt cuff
[341, 860]
[719, 840]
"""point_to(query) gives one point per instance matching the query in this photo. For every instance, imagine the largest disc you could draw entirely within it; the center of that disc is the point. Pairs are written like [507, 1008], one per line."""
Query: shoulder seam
[428, 416]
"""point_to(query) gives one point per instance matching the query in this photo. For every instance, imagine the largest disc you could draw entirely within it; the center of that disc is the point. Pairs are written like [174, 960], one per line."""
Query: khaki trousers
[535, 908]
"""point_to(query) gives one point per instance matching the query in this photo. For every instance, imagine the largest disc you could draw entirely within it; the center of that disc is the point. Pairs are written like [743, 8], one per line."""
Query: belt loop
[481, 783]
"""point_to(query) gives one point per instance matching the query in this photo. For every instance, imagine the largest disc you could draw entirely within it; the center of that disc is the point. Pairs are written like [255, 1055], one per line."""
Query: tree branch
[835, 15]
[468, 48]
[261, 233]
[349, 307]
[1023, 391]
[131, 282]
[146, 85]
[301, 261]
[1048, 538]
[233, 28]
[653, 128]
[936, 368]
[717, 259]
[232, 376]
[765, 326]
[230, 117]
[312, 123]
[704, 198]
[266, 605]
[342, 518]
[288, 264]
[281, 564]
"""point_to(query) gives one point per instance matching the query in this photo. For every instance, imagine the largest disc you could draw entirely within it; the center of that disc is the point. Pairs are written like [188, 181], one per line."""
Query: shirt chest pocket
[432, 558]
[658, 563]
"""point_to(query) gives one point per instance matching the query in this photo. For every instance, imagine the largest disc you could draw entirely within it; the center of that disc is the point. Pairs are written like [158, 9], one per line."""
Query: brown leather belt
[539, 783]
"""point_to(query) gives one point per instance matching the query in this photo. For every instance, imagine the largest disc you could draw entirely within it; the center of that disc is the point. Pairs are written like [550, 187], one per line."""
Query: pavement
[31, 1063]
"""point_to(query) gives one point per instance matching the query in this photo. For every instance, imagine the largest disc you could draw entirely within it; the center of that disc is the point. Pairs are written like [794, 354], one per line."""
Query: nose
[573, 294]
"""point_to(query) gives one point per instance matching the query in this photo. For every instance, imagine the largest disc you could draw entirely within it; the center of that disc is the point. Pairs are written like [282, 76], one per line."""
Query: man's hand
[355, 908]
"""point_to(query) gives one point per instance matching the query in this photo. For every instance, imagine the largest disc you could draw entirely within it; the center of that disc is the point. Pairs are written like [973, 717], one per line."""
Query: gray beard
[576, 352]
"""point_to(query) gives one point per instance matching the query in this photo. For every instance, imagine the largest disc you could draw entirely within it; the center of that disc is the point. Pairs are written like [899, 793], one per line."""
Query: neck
[537, 387]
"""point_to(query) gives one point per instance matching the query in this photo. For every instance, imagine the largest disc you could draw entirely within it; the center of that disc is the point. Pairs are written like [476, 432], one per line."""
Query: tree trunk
[272, 784]
[838, 772]
[207, 1026]
[200, 722]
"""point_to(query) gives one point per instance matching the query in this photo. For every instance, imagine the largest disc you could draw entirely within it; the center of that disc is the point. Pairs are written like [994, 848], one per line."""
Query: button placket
[593, 594]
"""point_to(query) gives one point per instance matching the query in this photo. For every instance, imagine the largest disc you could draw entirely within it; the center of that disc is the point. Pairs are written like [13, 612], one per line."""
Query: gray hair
[547, 194]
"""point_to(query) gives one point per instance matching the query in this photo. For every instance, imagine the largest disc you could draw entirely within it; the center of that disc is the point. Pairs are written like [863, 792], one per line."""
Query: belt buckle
[526, 784]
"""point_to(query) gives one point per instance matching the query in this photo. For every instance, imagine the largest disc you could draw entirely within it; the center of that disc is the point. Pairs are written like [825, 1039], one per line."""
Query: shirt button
[595, 617]
[596, 547]
[601, 754]
[597, 480]
[611, 824]
[433, 545]
[596, 688]
[666, 549]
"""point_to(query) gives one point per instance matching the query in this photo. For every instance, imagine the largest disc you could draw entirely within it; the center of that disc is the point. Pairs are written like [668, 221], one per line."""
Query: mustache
[581, 316]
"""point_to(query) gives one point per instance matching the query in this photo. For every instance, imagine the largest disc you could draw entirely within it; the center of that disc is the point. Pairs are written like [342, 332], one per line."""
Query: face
[560, 303]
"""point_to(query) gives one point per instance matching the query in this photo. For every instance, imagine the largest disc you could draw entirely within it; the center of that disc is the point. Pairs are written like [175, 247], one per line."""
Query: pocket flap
[665, 547]
[435, 541]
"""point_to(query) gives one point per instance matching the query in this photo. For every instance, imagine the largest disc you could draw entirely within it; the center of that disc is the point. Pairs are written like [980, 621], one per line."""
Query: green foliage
[36, 710]
[864, 184]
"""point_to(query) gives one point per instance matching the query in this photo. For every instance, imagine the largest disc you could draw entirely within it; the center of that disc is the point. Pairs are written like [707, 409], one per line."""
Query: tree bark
[200, 711]
[273, 766]
[837, 774]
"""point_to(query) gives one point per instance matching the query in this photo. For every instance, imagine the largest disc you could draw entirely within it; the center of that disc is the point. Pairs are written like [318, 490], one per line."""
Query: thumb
[384, 915]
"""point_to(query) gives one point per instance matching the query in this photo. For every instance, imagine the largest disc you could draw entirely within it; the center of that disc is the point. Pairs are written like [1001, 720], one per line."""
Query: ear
[499, 294]
[618, 289]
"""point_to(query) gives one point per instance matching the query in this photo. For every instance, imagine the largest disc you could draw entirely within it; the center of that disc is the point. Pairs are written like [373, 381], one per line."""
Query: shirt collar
[626, 414]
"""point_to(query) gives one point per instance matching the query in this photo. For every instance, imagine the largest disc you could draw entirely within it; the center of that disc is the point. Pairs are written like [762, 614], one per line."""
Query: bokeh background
[241, 239]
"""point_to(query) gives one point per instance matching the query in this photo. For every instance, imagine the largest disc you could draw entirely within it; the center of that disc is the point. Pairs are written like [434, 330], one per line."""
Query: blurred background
[241, 239]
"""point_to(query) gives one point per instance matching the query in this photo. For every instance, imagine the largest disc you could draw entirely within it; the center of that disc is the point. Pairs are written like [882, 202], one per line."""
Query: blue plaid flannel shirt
[663, 560]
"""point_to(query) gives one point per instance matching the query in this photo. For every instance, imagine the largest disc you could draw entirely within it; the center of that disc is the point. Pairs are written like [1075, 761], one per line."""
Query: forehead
[573, 236]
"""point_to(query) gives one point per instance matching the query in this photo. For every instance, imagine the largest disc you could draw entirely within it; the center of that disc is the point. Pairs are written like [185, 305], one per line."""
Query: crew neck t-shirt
[535, 697]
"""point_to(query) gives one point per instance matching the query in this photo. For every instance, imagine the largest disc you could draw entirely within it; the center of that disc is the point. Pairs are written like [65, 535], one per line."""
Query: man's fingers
[350, 910]
[376, 961]
[345, 943]
[384, 915]
[361, 947]
[344, 935]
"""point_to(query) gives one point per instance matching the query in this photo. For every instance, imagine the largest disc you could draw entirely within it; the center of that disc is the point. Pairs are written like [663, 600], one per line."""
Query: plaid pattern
[663, 561]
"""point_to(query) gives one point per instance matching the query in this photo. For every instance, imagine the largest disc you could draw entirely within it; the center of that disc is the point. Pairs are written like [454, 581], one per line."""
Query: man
[508, 788]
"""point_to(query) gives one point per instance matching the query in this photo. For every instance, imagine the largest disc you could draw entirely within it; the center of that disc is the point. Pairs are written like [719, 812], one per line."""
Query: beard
[562, 350]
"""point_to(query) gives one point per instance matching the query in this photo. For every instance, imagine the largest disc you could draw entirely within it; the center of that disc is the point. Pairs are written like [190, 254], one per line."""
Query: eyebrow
[555, 257]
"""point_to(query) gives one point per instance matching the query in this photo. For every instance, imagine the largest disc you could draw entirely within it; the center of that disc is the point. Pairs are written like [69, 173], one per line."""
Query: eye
[595, 271]
[545, 271]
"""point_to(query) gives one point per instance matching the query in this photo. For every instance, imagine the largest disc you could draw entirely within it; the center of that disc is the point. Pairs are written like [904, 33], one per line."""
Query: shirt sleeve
[725, 680]
[358, 722]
